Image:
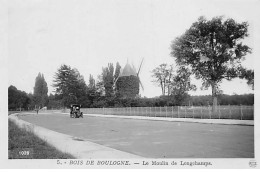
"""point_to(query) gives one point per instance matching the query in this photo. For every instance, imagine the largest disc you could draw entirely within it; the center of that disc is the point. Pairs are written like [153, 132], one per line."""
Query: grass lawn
[23, 144]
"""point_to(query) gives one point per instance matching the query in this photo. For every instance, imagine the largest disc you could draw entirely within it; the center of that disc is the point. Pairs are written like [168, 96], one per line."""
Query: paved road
[156, 139]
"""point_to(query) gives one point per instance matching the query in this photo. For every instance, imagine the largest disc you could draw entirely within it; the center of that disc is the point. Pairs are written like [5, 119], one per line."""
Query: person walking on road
[37, 110]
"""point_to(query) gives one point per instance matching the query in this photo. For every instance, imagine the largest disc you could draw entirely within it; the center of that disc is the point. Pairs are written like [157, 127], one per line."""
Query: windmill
[128, 82]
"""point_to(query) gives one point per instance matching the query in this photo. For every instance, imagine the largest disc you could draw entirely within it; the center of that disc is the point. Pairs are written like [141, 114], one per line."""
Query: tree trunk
[214, 97]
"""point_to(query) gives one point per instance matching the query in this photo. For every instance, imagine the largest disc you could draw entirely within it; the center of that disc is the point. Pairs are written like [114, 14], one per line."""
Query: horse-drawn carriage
[75, 111]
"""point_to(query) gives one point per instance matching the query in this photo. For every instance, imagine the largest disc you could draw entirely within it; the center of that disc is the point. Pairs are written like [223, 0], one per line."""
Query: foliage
[54, 102]
[17, 99]
[109, 76]
[223, 99]
[181, 84]
[108, 79]
[92, 82]
[175, 83]
[163, 77]
[69, 85]
[213, 49]
[249, 76]
[40, 91]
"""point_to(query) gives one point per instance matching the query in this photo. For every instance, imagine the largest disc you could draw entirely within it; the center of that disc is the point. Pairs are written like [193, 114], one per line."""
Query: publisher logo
[252, 163]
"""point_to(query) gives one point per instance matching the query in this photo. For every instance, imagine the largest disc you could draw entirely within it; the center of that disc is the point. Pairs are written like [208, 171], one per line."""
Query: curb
[191, 120]
[77, 147]
[204, 121]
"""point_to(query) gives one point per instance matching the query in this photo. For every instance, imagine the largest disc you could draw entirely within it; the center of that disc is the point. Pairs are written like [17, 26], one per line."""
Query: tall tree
[109, 77]
[17, 99]
[40, 91]
[92, 82]
[92, 89]
[69, 85]
[163, 76]
[181, 84]
[213, 49]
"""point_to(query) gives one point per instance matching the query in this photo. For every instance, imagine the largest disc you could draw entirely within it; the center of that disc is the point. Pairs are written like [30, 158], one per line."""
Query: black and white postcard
[129, 84]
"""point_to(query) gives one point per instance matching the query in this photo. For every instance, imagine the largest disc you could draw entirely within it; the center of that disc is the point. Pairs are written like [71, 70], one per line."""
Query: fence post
[185, 111]
[241, 112]
[201, 112]
[160, 111]
[192, 112]
[178, 111]
[172, 111]
[209, 114]
[219, 113]
[165, 111]
[150, 110]
[230, 112]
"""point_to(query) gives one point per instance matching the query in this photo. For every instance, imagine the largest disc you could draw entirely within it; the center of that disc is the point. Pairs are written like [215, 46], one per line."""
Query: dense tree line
[17, 99]
[70, 88]
[223, 99]
[20, 100]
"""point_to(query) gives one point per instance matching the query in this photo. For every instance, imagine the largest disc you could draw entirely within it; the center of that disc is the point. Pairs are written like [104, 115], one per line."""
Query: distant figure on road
[37, 110]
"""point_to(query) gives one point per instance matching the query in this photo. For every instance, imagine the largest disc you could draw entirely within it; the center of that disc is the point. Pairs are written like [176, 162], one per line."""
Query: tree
[109, 77]
[40, 91]
[249, 76]
[69, 85]
[17, 99]
[213, 50]
[54, 102]
[181, 84]
[163, 75]
[92, 82]
[117, 71]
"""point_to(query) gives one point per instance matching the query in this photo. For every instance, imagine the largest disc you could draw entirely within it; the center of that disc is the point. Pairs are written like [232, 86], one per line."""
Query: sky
[87, 35]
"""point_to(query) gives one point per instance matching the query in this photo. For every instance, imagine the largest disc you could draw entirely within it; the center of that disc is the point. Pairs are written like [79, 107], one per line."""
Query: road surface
[155, 139]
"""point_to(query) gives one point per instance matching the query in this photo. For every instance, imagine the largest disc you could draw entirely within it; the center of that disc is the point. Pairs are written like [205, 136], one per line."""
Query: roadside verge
[77, 147]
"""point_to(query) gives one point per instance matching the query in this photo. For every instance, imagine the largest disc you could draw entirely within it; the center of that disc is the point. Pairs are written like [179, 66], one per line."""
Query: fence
[202, 112]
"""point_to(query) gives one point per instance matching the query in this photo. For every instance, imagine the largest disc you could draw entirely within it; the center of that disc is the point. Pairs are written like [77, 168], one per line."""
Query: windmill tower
[128, 82]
